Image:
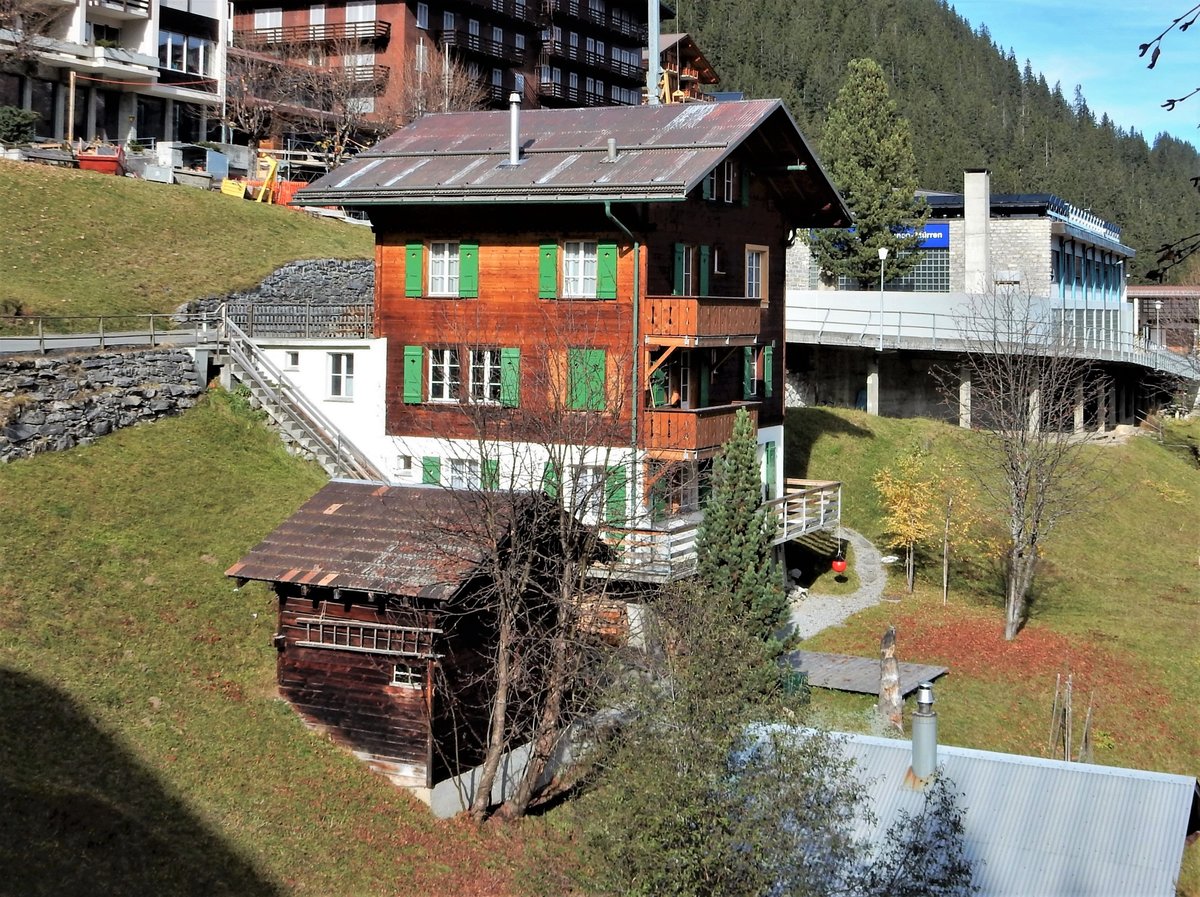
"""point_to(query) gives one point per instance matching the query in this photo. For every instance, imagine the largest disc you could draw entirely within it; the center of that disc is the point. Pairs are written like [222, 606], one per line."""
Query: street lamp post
[1158, 321]
[883, 254]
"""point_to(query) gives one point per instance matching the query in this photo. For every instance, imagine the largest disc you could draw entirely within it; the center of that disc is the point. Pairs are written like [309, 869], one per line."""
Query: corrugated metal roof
[1162, 291]
[663, 152]
[373, 538]
[1044, 827]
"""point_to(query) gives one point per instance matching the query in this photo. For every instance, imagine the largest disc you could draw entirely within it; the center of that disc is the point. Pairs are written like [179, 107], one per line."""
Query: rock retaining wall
[319, 281]
[52, 404]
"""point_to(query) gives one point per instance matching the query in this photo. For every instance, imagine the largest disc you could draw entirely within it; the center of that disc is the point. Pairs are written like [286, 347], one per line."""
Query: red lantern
[839, 565]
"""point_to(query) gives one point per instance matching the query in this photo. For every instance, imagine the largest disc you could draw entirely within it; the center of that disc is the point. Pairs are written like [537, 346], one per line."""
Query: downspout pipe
[637, 268]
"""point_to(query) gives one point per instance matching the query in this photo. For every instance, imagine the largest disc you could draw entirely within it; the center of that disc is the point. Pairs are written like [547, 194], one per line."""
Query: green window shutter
[414, 254]
[658, 387]
[431, 470]
[614, 495]
[772, 492]
[658, 495]
[413, 381]
[585, 379]
[705, 253]
[768, 371]
[745, 186]
[490, 474]
[606, 271]
[510, 377]
[680, 256]
[468, 270]
[551, 480]
[748, 372]
[548, 271]
[707, 190]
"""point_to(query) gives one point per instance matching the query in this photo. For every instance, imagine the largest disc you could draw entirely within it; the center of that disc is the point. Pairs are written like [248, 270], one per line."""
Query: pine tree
[868, 152]
[734, 551]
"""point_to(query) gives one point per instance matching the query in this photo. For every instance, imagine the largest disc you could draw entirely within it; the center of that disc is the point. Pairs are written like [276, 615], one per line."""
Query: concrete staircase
[301, 424]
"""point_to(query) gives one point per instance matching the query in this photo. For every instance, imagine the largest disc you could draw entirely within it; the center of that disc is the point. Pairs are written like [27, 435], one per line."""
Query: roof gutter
[637, 268]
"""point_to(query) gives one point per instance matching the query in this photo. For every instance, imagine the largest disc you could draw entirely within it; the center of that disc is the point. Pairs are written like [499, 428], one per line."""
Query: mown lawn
[145, 751]
[1117, 606]
[81, 243]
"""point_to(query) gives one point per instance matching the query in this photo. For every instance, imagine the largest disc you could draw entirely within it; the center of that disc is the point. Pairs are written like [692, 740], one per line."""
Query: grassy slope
[145, 751]
[77, 242]
[1117, 605]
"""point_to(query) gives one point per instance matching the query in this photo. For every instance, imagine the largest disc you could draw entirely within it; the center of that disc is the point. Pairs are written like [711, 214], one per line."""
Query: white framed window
[497, 77]
[587, 482]
[421, 61]
[423, 15]
[519, 83]
[291, 360]
[579, 269]
[408, 676]
[718, 260]
[756, 272]
[404, 467]
[444, 376]
[688, 287]
[485, 375]
[519, 41]
[448, 21]
[497, 35]
[443, 269]
[341, 375]
[473, 27]
[464, 473]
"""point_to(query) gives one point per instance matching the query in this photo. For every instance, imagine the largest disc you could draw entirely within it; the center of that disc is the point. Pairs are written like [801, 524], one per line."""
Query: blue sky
[1094, 43]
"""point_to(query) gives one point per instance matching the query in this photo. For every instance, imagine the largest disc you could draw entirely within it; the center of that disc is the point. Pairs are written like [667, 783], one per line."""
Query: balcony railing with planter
[681, 433]
[375, 31]
[693, 320]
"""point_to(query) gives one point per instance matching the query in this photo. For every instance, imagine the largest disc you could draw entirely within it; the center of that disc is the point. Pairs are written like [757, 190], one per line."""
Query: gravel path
[813, 613]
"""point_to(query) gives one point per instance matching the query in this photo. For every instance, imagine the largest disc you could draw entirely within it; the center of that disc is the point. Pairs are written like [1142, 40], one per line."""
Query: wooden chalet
[685, 70]
[587, 297]
[377, 642]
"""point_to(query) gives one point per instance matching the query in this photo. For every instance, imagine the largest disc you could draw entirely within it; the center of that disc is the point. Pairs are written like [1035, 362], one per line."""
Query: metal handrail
[157, 329]
[351, 460]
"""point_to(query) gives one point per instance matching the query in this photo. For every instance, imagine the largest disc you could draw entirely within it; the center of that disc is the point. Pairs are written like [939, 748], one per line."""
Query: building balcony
[464, 41]
[120, 9]
[375, 32]
[699, 321]
[684, 433]
[520, 10]
[559, 49]
[374, 75]
[573, 96]
[583, 12]
[667, 551]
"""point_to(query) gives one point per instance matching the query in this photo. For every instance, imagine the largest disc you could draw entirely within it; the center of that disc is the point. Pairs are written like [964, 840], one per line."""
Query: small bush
[16, 125]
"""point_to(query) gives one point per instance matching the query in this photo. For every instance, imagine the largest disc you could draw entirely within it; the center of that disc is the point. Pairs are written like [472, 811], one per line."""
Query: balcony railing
[668, 551]
[691, 320]
[476, 43]
[131, 8]
[375, 31]
[559, 49]
[376, 75]
[554, 91]
[521, 10]
[681, 433]
[581, 10]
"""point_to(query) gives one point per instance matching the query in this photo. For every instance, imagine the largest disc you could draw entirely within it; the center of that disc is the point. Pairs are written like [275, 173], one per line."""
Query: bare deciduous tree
[550, 495]
[26, 24]
[1032, 394]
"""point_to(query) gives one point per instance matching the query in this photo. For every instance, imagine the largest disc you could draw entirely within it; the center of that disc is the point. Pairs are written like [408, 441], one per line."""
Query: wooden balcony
[699, 321]
[667, 552]
[679, 434]
[374, 31]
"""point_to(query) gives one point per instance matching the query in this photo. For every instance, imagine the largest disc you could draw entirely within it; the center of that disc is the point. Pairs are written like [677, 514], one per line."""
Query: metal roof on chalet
[662, 154]
[1035, 827]
[369, 537]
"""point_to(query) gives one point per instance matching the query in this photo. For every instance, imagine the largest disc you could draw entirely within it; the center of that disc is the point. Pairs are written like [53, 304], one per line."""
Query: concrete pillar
[873, 388]
[977, 213]
[1035, 410]
[964, 398]
[1102, 411]
[1110, 405]
[1079, 407]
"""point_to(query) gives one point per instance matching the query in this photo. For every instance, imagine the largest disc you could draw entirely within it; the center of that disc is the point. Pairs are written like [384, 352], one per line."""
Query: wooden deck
[843, 672]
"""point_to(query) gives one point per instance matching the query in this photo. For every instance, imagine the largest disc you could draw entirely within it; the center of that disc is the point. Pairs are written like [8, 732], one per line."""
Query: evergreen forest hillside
[971, 104]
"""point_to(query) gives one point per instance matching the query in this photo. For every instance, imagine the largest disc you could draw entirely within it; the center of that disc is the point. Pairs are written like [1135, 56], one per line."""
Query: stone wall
[56, 403]
[319, 281]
